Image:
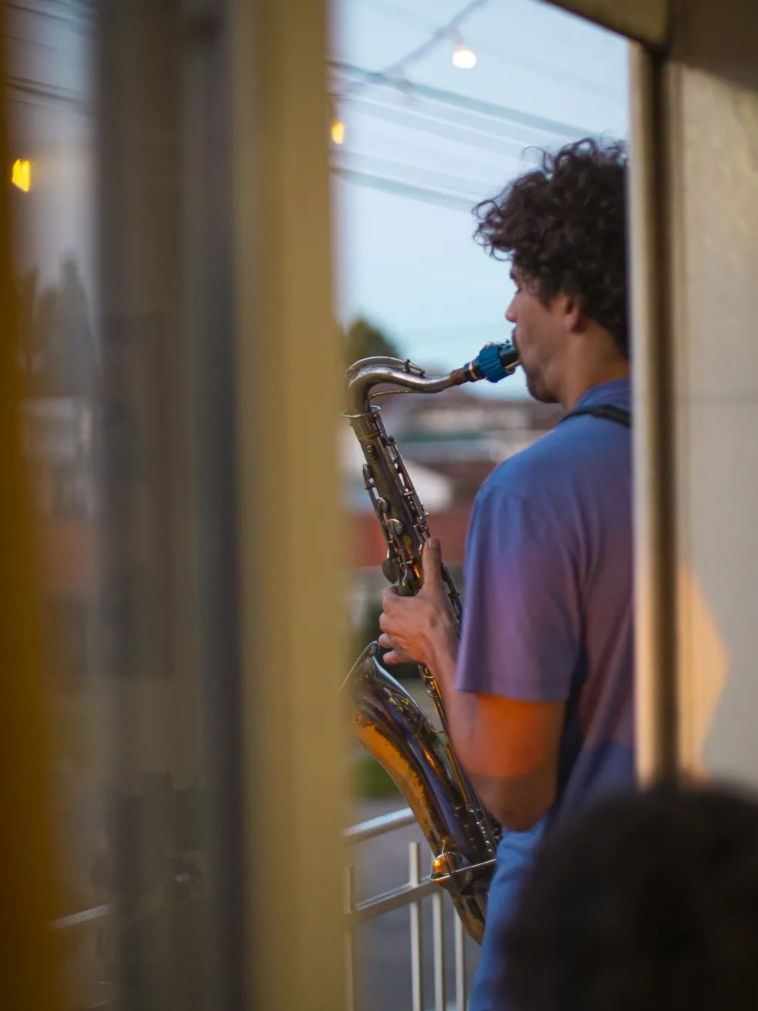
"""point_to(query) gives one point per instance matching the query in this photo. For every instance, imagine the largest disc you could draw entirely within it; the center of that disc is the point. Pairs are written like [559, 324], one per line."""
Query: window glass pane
[434, 109]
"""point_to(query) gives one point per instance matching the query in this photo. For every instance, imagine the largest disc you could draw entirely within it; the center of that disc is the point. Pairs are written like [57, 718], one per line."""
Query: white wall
[713, 182]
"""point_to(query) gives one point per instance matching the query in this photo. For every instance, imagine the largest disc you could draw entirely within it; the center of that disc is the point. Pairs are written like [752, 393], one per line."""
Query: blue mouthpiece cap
[489, 363]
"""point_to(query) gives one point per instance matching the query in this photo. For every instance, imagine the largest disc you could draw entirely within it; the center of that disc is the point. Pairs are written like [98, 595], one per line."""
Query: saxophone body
[385, 718]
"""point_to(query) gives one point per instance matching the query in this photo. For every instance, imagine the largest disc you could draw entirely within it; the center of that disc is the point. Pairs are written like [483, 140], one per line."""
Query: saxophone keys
[448, 872]
[389, 569]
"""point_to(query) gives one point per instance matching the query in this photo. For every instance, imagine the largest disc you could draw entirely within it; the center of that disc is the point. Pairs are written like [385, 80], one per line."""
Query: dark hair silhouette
[646, 901]
[564, 227]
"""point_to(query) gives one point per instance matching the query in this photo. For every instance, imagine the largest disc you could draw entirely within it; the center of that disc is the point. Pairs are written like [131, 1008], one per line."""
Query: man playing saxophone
[538, 690]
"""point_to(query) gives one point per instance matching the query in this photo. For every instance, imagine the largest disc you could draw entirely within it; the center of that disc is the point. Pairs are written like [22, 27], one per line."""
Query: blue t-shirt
[548, 617]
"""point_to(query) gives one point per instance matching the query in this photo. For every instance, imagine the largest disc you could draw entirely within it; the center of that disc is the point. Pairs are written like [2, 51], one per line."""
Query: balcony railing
[412, 894]
[415, 891]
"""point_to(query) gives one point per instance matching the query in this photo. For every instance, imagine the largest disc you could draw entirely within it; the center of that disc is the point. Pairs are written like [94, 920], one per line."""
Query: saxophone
[386, 720]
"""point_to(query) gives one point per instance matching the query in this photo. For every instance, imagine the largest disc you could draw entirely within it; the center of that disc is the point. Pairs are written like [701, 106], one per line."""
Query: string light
[21, 174]
[338, 131]
[463, 57]
[337, 123]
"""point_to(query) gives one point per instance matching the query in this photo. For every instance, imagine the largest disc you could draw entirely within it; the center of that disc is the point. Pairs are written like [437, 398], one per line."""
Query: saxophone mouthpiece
[493, 363]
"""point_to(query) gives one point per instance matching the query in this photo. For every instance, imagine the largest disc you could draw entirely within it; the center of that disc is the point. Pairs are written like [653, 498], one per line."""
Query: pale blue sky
[409, 265]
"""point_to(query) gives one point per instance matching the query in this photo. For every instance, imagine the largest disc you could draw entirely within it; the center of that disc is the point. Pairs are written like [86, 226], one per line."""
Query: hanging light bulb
[463, 57]
[337, 123]
[21, 174]
[338, 130]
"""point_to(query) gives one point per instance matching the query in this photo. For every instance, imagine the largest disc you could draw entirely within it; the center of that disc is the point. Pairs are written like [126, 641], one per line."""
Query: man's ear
[574, 320]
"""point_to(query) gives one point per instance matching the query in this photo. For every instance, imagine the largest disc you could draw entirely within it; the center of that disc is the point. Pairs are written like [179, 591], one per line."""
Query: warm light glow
[464, 58]
[338, 131]
[22, 174]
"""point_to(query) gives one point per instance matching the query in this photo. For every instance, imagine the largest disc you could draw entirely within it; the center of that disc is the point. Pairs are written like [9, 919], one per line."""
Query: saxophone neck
[368, 373]
[494, 362]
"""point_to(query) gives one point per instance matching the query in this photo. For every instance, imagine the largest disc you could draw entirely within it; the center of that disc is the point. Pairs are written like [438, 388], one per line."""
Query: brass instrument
[385, 718]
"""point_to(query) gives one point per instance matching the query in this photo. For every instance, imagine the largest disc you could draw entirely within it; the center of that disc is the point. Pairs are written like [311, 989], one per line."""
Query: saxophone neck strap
[619, 415]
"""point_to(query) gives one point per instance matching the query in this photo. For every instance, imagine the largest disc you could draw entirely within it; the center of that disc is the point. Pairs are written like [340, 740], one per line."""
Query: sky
[414, 161]
[436, 140]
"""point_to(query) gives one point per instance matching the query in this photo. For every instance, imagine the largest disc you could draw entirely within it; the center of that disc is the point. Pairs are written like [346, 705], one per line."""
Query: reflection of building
[58, 434]
[58, 441]
[450, 444]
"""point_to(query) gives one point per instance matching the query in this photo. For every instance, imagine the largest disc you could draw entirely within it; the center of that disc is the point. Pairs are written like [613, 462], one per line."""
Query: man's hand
[419, 629]
[509, 747]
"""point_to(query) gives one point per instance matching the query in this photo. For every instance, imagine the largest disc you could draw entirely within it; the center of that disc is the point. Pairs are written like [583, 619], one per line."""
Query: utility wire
[449, 131]
[440, 112]
[477, 105]
[351, 161]
[74, 18]
[396, 71]
[527, 61]
[422, 193]
[66, 96]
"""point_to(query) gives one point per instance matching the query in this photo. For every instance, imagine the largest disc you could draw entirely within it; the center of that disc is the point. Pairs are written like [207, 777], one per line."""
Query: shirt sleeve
[521, 633]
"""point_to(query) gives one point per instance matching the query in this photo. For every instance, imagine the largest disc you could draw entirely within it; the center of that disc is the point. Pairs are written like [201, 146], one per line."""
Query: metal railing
[411, 894]
[83, 916]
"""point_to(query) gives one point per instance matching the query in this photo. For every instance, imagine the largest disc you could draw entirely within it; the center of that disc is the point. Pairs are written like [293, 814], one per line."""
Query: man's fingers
[394, 655]
[431, 561]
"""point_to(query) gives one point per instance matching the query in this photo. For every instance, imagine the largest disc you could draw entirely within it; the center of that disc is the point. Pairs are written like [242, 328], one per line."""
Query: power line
[422, 193]
[534, 65]
[74, 18]
[476, 105]
[462, 118]
[467, 188]
[53, 93]
[34, 42]
[417, 121]
[396, 71]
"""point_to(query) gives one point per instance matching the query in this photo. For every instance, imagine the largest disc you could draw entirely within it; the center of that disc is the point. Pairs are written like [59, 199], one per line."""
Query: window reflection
[113, 429]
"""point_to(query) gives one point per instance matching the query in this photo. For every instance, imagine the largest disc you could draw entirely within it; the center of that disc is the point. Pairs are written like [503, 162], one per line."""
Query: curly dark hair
[564, 227]
[647, 901]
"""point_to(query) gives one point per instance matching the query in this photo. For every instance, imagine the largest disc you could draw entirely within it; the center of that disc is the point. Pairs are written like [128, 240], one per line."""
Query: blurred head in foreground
[646, 901]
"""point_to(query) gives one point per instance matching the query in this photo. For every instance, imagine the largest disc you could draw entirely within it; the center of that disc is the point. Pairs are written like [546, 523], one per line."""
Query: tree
[362, 340]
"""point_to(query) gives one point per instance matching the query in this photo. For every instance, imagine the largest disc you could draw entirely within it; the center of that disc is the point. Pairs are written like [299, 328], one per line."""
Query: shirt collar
[617, 392]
